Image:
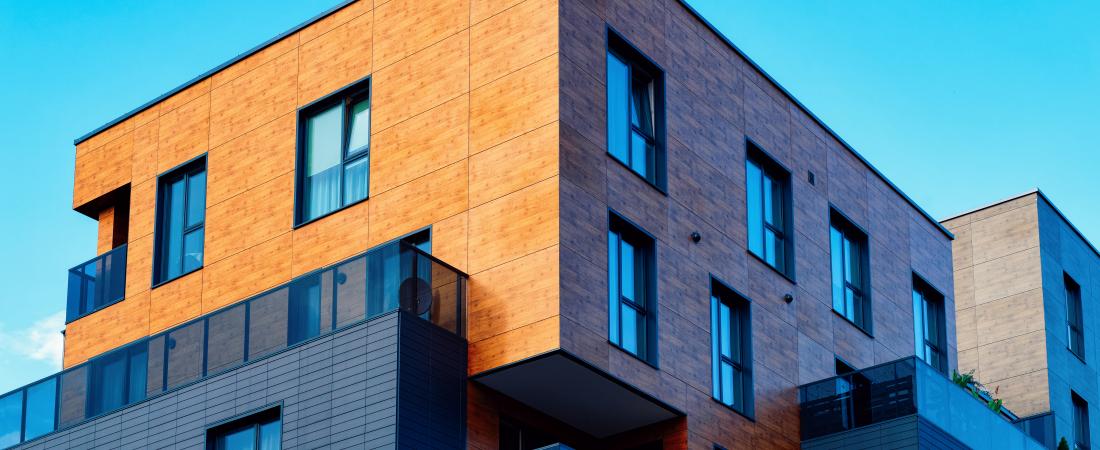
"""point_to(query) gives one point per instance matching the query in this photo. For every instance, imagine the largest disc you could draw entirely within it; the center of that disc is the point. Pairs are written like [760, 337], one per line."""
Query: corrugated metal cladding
[393, 381]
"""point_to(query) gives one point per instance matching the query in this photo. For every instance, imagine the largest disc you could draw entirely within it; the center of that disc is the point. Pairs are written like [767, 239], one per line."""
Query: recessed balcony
[96, 284]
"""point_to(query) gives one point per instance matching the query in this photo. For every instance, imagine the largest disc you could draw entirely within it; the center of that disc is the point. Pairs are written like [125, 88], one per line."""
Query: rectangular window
[850, 281]
[768, 192]
[929, 324]
[635, 110]
[260, 431]
[1081, 438]
[118, 379]
[1075, 320]
[517, 436]
[731, 348]
[333, 152]
[181, 217]
[632, 289]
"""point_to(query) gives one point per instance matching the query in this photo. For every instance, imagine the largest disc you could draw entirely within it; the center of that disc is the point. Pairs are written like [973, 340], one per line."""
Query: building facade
[1026, 290]
[623, 232]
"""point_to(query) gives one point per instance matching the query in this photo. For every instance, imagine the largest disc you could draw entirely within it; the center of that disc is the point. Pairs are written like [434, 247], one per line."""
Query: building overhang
[576, 393]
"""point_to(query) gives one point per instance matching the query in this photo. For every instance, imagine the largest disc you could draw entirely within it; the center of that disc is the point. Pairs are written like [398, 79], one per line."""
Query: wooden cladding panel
[425, 123]
[106, 233]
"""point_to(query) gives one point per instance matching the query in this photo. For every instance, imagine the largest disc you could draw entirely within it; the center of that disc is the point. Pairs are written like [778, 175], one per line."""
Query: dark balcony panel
[41, 411]
[185, 347]
[11, 418]
[267, 323]
[225, 339]
[155, 375]
[96, 284]
[1040, 427]
[351, 287]
[74, 395]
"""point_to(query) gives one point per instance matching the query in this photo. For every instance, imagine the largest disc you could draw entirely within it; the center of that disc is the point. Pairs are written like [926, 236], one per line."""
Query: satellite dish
[415, 295]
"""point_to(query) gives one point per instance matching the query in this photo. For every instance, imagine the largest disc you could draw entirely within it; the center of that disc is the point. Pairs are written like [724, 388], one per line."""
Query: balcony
[903, 403]
[96, 284]
[320, 306]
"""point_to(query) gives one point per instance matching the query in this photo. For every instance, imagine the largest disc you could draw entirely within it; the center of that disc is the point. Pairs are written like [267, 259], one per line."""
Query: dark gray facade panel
[910, 432]
[362, 387]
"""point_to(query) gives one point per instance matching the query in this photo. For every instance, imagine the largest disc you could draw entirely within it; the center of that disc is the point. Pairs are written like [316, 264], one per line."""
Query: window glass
[1074, 317]
[766, 186]
[109, 383]
[755, 214]
[244, 439]
[1080, 422]
[629, 297]
[618, 100]
[323, 154]
[928, 323]
[359, 124]
[356, 176]
[41, 408]
[139, 368]
[305, 309]
[181, 213]
[730, 344]
[174, 263]
[849, 283]
[192, 250]
[613, 285]
[196, 198]
[271, 435]
[11, 411]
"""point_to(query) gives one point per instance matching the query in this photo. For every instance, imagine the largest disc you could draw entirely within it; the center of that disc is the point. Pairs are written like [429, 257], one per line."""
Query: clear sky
[959, 103]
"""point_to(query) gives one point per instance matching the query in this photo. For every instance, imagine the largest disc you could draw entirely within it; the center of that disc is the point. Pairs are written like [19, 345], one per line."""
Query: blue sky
[959, 103]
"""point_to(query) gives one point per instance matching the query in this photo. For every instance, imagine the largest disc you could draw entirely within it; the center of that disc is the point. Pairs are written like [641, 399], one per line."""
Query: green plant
[963, 380]
[995, 405]
[1062, 444]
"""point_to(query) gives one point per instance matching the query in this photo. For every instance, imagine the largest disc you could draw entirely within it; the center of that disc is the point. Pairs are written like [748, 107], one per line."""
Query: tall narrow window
[929, 324]
[731, 348]
[1075, 319]
[333, 152]
[848, 246]
[181, 218]
[260, 431]
[768, 189]
[632, 289]
[1081, 438]
[635, 110]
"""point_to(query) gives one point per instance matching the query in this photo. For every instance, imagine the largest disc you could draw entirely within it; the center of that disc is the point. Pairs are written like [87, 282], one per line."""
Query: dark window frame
[929, 295]
[617, 46]
[349, 96]
[185, 170]
[255, 419]
[722, 293]
[646, 249]
[1082, 438]
[855, 234]
[772, 169]
[93, 382]
[1075, 330]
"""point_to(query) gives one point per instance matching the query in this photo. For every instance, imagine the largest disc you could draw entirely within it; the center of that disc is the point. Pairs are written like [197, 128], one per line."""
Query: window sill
[765, 263]
[639, 358]
[322, 216]
[158, 284]
[640, 177]
[1079, 357]
[868, 333]
[739, 412]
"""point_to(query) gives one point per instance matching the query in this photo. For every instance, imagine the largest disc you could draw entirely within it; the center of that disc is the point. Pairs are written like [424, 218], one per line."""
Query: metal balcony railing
[902, 388]
[96, 284]
[392, 277]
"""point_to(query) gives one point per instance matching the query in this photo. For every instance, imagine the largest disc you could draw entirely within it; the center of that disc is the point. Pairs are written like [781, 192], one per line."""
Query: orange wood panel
[143, 202]
[252, 159]
[404, 27]
[115, 325]
[114, 132]
[515, 225]
[252, 217]
[332, 238]
[175, 302]
[422, 81]
[139, 265]
[449, 238]
[513, 105]
[334, 20]
[419, 203]
[512, 295]
[254, 99]
[420, 145]
[106, 235]
[144, 160]
[514, 345]
[514, 165]
[335, 59]
[102, 170]
[262, 57]
[513, 39]
[183, 133]
[185, 96]
[483, 9]
[246, 273]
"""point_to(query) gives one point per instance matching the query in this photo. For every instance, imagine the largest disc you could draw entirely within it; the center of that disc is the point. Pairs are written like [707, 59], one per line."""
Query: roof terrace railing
[902, 388]
[395, 276]
[96, 284]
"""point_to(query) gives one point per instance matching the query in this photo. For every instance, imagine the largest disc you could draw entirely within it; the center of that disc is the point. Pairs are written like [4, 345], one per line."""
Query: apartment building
[496, 224]
[1026, 284]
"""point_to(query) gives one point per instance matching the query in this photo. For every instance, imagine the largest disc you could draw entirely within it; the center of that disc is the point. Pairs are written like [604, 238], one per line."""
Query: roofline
[683, 3]
[816, 119]
[211, 72]
[1038, 192]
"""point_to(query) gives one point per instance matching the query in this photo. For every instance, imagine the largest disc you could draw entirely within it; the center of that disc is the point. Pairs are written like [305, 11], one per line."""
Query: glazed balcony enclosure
[903, 402]
[395, 277]
[96, 284]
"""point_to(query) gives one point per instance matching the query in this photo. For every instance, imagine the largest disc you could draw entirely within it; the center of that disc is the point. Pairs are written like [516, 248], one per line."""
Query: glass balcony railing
[392, 277]
[902, 388]
[96, 284]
